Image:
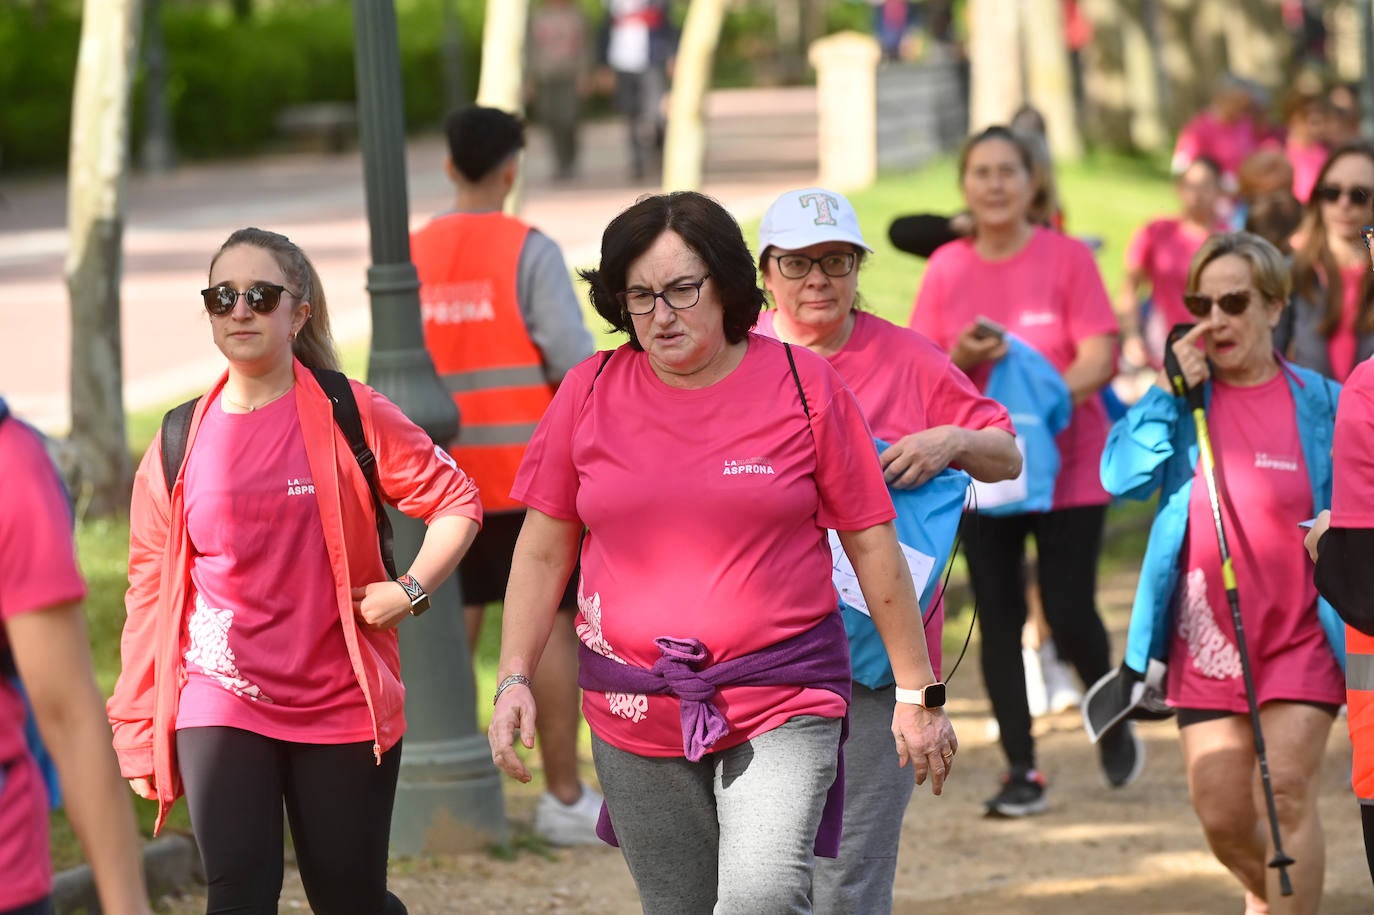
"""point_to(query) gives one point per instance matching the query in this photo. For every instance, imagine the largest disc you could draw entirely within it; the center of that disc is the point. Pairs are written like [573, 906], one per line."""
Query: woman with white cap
[913, 396]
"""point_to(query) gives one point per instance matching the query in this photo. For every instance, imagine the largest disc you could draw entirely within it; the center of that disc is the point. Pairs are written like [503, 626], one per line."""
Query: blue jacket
[1154, 447]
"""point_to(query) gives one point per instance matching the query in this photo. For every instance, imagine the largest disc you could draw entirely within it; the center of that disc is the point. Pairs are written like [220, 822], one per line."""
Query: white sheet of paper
[1003, 492]
[847, 583]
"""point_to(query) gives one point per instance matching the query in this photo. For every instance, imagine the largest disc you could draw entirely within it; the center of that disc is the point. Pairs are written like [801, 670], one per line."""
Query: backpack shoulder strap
[792, 364]
[350, 422]
[175, 431]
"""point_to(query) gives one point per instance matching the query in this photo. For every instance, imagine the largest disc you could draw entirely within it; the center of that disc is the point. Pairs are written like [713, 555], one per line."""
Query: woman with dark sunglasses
[1330, 324]
[1270, 427]
[1045, 289]
[261, 666]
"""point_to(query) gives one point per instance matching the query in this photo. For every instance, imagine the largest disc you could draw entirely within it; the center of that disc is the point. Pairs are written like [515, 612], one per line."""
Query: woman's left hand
[1314, 534]
[925, 738]
[921, 455]
[381, 605]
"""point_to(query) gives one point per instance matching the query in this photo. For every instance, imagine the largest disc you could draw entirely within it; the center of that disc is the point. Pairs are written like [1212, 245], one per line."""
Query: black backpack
[176, 429]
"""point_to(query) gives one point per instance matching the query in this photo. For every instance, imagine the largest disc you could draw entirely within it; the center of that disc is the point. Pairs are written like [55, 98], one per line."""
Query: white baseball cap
[809, 216]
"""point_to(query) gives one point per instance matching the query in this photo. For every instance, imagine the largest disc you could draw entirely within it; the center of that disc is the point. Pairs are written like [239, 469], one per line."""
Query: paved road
[761, 142]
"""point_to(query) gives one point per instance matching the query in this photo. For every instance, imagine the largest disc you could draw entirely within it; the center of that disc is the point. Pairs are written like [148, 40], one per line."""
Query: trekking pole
[1280, 861]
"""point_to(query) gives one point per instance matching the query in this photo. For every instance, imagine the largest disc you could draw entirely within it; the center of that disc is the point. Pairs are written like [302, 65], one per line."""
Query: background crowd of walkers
[725, 532]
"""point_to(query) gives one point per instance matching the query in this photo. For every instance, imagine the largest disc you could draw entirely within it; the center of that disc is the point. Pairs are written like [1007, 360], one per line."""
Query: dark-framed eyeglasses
[1367, 233]
[261, 297]
[797, 266]
[1233, 303]
[1358, 194]
[678, 296]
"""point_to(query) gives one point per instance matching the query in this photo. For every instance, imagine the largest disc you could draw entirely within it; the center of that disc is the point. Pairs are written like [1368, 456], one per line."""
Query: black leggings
[1068, 542]
[41, 907]
[338, 802]
[1367, 818]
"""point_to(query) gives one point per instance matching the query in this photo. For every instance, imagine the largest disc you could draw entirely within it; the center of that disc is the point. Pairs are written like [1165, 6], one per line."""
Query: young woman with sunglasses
[1330, 323]
[1045, 288]
[261, 666]
[1270, 424]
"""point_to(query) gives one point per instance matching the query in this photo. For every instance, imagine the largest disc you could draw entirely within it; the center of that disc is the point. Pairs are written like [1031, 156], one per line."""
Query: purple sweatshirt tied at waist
[817, 659]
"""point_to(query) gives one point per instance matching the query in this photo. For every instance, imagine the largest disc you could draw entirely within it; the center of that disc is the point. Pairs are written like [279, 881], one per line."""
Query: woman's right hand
[145, 788]
[514, 713]
[1314, 534]
[972, 350]
[1192, 361]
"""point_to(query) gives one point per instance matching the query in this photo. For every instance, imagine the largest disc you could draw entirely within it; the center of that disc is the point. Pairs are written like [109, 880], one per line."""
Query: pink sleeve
[417, 476]
[1140, 251]
[130, 708]
[1352, 488]
[37, 554]
[925, 316]
[1188, 146]
[849, 479]
[956, 402]
[1088, 308]
[547, 480]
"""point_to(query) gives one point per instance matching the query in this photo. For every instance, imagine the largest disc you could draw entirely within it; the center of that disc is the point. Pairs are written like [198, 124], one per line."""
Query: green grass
[1108, 197]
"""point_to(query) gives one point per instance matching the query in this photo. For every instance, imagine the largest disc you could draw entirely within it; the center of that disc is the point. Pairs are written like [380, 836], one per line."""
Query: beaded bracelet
[512, 680]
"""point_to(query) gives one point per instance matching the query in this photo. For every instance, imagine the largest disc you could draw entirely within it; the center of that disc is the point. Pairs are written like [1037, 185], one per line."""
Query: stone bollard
[846, 99]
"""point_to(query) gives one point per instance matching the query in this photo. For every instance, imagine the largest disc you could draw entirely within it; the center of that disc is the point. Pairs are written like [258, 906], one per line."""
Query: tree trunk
[95, 229]
[1104, 76]
[502, 78]
[1149, 132]
[684, 147]
[1258, 45]
[1188, 81]
[1050, 77]
[994, 62]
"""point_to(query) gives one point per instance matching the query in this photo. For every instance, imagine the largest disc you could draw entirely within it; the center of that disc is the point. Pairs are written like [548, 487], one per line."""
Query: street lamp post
[449, 796]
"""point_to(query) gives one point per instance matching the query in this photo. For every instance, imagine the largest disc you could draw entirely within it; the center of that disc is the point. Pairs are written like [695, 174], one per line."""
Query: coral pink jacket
[416, 477]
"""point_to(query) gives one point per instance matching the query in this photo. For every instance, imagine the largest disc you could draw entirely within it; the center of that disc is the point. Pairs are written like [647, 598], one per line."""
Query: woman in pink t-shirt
[697, 469]
[1158, 256]
[1270, 426]
[913, 396]
[1044, 288]
[43, 640]
[261, 665]
[1329, 325]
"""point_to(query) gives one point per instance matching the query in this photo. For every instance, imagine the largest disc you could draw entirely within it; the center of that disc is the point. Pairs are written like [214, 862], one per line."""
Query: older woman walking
[1270, 425]
[705, 464]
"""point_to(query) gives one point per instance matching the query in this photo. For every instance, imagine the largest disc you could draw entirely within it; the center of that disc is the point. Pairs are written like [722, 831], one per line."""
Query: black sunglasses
[1233, 303]
[261, 297]
[1358, 194]
[1367, 233]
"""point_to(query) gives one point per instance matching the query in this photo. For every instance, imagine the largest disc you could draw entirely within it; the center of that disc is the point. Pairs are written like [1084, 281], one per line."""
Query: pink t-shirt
[706, 514]
[1352, 483]
[905, 383]
[1163, 250]
[1343, 344]
[265, 648]
[1263, 476]
[1226, 144]
[1307, 161]
[37, 571]
[1049, 294]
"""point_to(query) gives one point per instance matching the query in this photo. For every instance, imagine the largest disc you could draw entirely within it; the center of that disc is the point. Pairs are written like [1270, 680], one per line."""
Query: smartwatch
[930, 697]
[419, 597]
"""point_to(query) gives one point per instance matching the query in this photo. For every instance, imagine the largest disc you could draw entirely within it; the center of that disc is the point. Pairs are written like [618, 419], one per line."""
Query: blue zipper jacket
[1154, 447]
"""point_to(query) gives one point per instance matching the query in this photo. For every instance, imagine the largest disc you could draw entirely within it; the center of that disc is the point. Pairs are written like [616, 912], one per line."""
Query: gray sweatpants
[733, 833]
[876, 793]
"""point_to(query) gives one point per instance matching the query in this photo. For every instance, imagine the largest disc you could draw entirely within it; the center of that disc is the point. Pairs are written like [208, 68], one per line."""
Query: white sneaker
[568, 824]
[1061, 686]
[1037, 697]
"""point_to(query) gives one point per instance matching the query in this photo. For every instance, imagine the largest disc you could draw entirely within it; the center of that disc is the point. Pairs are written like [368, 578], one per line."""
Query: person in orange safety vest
[503, 326]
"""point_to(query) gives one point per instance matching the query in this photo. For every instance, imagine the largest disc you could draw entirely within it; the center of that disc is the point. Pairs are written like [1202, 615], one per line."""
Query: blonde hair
[1268, 267]
[313, 345]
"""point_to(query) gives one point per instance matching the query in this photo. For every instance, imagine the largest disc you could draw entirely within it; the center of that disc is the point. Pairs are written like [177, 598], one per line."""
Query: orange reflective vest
[468, 263]
[1359, 697]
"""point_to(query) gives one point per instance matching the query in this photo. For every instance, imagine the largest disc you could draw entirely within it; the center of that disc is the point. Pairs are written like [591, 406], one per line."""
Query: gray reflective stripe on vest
[487, 379]
[1359, 671]
[496, 434]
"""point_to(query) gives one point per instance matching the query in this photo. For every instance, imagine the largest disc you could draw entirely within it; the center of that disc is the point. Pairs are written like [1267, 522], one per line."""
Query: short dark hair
[480, 139]
[707, 228]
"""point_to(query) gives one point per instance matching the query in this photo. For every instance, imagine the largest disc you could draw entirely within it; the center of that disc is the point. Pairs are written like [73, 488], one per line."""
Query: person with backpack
[261, 666]
[43, 642]
[928, 417]
[705, 464]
